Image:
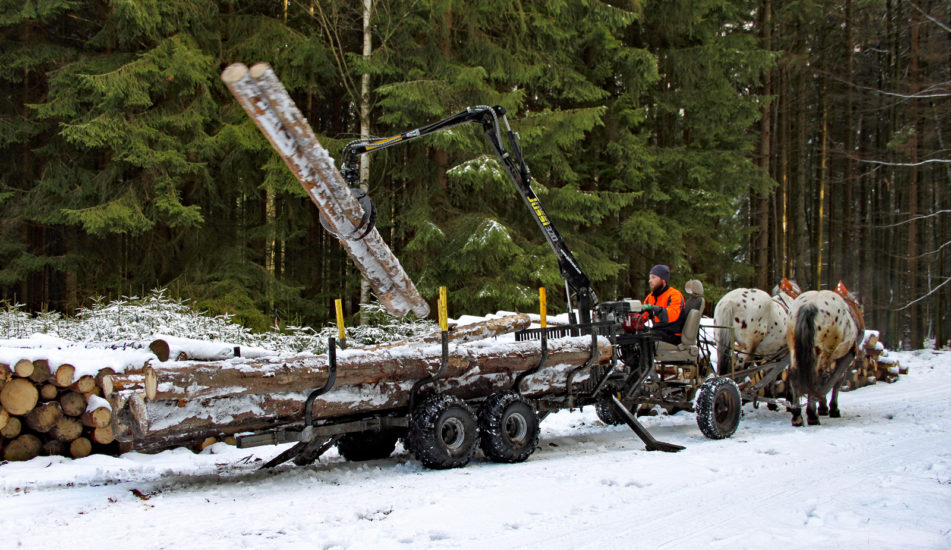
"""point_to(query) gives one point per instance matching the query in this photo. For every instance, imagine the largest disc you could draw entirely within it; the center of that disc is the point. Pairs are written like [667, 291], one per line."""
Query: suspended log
[24, 447]
[19, 396]
[271, 108]
[264, 396]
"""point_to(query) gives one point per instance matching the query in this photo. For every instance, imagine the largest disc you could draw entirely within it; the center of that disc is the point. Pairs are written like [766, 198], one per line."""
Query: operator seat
[687, 351]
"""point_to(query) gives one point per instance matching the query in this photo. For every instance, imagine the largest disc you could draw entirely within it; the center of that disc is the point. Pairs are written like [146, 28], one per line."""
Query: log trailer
[443, 431]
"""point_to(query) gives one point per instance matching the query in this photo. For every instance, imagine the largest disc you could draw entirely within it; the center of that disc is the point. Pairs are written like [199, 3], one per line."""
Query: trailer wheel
[606, 413]
[357, 447]
[718, 408]
[442, 432]
[508, 427]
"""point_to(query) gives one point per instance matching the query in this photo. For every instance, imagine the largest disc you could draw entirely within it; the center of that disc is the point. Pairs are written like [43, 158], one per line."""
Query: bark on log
[23, 368]
[473, 371]
[271, 108]
[73, 403]
[44, 416]
[41, 372]
[66, 429]
[80, 447]
[19, 396]
[12, 428]
[191, 381]
[24, 447]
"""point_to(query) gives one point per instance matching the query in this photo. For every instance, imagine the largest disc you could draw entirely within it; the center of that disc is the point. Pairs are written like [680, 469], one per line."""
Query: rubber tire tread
[606, 413]
[425, 423]
[361, 446]
[706, 401]
[493, 442]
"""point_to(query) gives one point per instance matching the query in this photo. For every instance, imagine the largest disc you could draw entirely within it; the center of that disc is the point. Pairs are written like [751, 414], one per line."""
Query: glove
[650, 310]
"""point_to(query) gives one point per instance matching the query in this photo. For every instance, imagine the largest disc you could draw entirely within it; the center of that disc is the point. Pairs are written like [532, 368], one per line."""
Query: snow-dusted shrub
[134, 319]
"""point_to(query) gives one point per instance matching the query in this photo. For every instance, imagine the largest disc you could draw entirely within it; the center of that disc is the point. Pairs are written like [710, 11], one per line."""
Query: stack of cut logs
[878, 365]
[51, 412]
[188, 392]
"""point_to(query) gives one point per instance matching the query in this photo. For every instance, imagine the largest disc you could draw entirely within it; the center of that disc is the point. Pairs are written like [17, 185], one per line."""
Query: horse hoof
[814, 422]
[823, 412]
[834, 413]
[797, 422]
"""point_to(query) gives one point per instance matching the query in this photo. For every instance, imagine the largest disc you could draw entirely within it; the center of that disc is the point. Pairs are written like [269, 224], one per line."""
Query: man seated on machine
[665, 305]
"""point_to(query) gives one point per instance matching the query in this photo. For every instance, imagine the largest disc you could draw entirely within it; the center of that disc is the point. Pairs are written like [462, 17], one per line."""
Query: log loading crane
[612, 319]
[489, 117]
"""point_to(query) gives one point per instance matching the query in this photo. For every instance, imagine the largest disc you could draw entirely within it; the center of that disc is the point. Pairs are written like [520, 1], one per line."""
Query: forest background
[738, 141]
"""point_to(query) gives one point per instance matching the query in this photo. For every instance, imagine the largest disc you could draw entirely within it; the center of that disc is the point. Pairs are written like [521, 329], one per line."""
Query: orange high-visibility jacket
[670, 321]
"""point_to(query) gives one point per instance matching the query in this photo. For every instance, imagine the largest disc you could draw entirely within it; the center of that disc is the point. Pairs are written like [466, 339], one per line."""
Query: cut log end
[151, 384]
[24, 447]
[234, 73]
[19, 396]
[23, 368]
[12, 428]
[161, 349]
[41, 372]
[258, 70]
[103, 436]
[80, 447]
[48, 392]
[64, 375]
[73, 403]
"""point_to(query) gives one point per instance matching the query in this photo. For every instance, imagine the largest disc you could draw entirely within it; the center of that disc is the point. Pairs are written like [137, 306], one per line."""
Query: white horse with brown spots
[824, 334]
[752, 325]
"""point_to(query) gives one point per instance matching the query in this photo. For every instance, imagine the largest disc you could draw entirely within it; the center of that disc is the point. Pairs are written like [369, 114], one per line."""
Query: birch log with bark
[271, 108]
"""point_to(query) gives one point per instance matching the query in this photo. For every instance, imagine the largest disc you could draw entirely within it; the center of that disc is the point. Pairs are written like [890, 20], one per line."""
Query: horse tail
[722, 318]
[805, 342]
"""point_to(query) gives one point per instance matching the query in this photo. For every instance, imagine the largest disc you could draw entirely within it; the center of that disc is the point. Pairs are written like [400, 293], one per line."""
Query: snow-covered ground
[879, 477]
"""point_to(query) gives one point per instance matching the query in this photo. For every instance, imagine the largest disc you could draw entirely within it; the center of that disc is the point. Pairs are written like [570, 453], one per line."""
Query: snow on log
[264, 396]
[187, 349]
[271, 108]
[468, 333]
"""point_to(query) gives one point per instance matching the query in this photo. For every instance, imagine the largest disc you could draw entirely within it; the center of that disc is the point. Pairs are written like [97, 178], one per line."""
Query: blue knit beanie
[661, 271]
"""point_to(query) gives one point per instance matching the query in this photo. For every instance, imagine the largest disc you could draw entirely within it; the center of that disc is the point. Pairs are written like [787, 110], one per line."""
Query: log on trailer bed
[194, 401]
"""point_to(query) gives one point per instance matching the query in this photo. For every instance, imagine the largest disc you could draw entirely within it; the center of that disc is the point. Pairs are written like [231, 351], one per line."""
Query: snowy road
[880, 477]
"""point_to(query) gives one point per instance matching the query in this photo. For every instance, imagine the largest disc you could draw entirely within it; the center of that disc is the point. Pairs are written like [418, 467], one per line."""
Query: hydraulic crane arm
[515, 167]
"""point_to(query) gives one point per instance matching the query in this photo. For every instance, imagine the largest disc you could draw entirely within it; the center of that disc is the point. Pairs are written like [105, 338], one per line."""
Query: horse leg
[811, 415]
[834, 403]
[823, 408]
[795, 409]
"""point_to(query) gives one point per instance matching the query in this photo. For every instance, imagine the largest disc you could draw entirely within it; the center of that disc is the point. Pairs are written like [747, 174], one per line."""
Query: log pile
[51, 411]
[51, 407]
[877, 367]
[187, 403]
